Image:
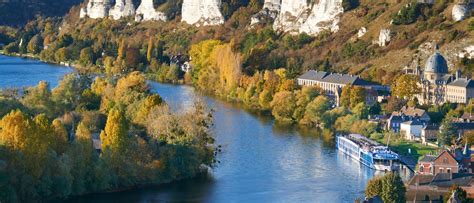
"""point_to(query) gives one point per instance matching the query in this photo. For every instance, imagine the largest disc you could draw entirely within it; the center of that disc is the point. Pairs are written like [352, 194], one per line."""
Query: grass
[418, 150]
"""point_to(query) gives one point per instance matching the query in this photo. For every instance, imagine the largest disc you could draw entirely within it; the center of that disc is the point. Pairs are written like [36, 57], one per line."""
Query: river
[260, 161]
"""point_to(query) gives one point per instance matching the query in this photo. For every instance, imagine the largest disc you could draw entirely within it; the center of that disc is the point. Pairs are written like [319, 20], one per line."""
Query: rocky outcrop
[324, 16]
[270, 10]
[384, 37]
[292, 15]
[146, 12]
[460, 12]
[96, 9]
[361, 32]
[122, 8]
[302, 16]
[202, 12]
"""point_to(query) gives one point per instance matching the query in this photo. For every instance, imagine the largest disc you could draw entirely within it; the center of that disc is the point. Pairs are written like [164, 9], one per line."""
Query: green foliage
[35, 45]
[358, 51]
[283, 106]
[55, 160]
[405, 86]
[390, 188]
[407, 15]
[447, 134]
[87, 57]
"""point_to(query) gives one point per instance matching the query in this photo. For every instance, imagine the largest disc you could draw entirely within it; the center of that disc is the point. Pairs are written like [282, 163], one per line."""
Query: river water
[260, 161]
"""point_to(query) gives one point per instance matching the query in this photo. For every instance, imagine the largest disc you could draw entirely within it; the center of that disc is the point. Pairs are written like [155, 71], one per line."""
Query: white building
[411, 130]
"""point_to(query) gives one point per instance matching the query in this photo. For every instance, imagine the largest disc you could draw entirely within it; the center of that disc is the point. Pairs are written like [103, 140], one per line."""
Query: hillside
[263, 45]
[19, 12]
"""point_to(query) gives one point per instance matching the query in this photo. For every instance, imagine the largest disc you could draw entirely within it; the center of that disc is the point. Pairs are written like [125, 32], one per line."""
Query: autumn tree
[149, 52]
[86, 57]
[393, 189]
[115, 136]
[315, 110]
[390, 188]
[374, 187]
[406, 86]
[283, 105]
[35, 45]
[357, 95]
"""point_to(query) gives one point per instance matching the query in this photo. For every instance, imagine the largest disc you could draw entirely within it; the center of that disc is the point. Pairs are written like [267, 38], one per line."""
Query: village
[436, 146]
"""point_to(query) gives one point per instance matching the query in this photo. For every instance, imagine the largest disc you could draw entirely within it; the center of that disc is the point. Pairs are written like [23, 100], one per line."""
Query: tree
[447, 133]
[393, 189]
[121, 49]
[374, 187]
[346, 96]
[406, 86]
[35, 45]
[357, 96]
[62, 55]
[115, 137]
[149, 52]
[86, 57]
[316, 109]
[460, 194]
[361, 110]
[283, 105]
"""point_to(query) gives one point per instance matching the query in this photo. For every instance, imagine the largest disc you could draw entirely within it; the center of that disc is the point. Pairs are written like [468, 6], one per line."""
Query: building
[433, 188]
[439, 87]
[464, 128]
[443, 163]
[411, 130]
[406, 114]
[429, 133]
[333, 83]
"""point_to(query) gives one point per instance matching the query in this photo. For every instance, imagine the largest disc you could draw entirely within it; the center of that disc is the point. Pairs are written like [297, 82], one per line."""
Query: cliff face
[202, 12]
[146, 11]
[302, 17]
[96, 9]
[122, 8]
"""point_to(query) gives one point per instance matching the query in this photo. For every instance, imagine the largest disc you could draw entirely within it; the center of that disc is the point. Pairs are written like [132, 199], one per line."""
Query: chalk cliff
[202, 12]
[146, 11]
[96, 9]
[122, 8]
[302, 16]
[271, 9]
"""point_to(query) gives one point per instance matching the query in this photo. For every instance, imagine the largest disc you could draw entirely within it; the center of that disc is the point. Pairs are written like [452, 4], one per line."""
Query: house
[425, 165]
[429, 133]
[333, 83]
[435, 187]
[467, 118]
[464, 128]
[406, 114]
[443, 163]
[411, 130]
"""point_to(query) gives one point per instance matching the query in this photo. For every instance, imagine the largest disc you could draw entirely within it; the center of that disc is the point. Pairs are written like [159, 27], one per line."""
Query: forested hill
[374, 39]
[18, 12]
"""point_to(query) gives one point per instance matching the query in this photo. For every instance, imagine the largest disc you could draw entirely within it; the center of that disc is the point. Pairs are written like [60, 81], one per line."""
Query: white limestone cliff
[122, 8]
[325, 15]
[460, 12]
[202, 12]
[384, 37]
[302, 16]
[146, 12]
[270, 9]
[292, 15]
[96, 9]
